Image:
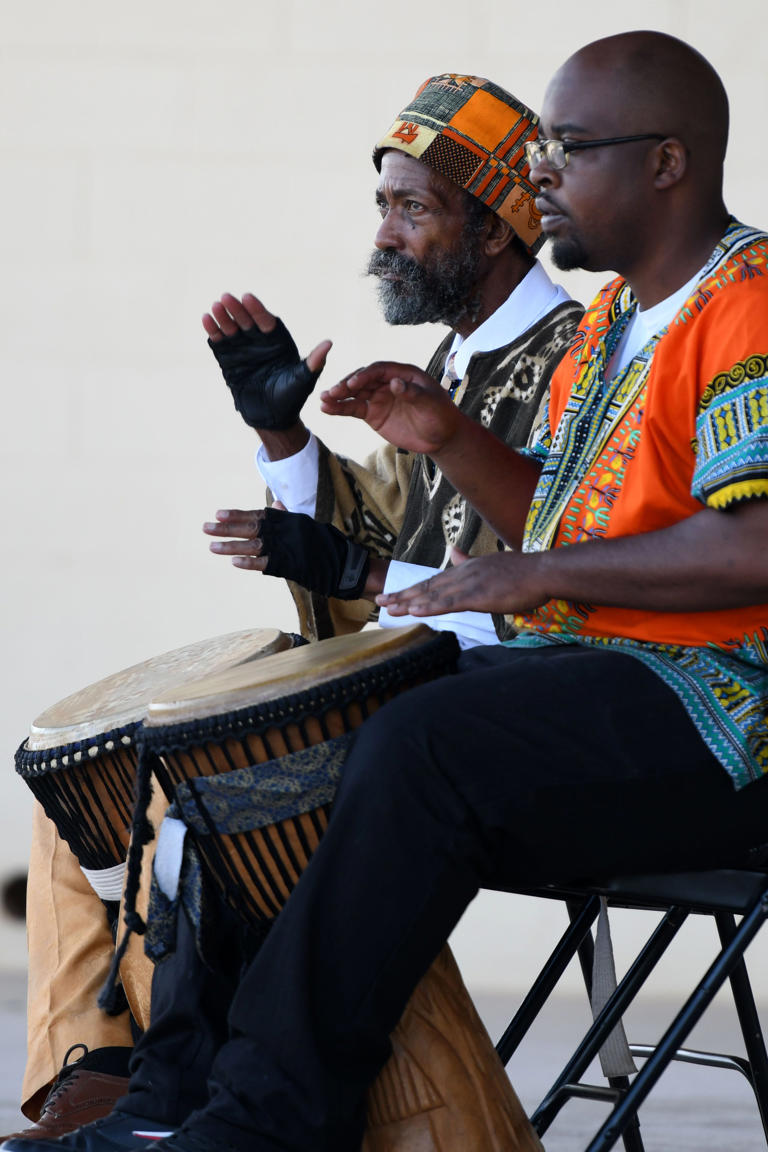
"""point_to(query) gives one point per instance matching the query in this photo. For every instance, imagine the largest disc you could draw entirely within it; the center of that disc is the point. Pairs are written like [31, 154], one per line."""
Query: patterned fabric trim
[732, 435]
[263, 794]
[236, 802]
[731, 493]
[162, 914]
[598, 432]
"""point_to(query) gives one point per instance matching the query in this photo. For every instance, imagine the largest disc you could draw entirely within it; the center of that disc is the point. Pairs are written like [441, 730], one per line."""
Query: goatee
[567, 255]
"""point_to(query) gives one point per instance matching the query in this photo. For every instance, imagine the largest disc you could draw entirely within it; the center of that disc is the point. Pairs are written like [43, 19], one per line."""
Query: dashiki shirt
[683, 426]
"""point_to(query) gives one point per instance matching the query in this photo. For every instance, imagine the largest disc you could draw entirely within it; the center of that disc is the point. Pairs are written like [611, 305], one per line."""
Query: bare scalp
[658, 83]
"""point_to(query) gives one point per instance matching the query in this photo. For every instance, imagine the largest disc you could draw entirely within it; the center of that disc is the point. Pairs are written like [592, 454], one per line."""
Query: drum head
[122, 698]
[283, 674]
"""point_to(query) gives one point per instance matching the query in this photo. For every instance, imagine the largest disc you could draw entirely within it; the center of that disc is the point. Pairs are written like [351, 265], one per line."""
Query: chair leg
[583, 916]
[586, 949]
[686, 1019]
[628, 988]
[749, 1020]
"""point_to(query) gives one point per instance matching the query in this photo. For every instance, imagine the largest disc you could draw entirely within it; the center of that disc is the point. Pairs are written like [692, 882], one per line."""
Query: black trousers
[529, 766]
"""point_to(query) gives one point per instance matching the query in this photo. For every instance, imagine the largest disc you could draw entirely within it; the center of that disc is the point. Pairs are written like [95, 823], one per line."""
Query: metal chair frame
[722, 894]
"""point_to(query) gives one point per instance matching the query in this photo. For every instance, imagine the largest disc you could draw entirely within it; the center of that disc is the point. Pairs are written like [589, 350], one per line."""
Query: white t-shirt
[646, 323]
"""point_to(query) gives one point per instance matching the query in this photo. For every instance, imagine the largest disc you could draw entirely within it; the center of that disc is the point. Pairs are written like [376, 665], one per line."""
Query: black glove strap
[317, 556]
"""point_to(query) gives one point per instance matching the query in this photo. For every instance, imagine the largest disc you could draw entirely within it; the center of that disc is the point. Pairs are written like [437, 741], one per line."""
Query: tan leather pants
[70, 951]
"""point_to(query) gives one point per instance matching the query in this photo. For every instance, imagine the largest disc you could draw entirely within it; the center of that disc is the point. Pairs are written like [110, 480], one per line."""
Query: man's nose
[388, 234]
[543, 175]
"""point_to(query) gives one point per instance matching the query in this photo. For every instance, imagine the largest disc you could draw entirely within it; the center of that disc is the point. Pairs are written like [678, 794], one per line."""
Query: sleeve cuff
[293, 481]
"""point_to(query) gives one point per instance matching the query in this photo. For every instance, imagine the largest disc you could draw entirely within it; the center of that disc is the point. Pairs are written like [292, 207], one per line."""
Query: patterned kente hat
[473, 132]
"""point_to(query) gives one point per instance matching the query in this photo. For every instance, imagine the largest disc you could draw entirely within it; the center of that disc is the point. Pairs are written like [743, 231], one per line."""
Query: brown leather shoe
[77, 1096]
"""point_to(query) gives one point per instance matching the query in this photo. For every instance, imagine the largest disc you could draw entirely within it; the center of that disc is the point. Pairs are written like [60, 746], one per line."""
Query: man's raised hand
[400, 402]
[260, 362]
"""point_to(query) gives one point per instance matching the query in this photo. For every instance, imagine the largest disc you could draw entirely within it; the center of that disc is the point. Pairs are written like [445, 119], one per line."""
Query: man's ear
[671, 162]
[499, 235]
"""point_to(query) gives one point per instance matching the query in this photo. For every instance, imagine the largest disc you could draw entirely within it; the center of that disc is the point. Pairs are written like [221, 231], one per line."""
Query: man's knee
[401, 739]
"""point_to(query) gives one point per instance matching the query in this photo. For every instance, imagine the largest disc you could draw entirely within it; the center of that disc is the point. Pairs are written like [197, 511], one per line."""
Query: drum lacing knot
[33, 762]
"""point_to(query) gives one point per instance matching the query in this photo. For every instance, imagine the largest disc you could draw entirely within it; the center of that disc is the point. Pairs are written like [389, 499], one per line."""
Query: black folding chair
[722, 894]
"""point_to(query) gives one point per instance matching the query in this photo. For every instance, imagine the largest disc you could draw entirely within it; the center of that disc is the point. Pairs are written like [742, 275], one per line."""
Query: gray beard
[441, 291]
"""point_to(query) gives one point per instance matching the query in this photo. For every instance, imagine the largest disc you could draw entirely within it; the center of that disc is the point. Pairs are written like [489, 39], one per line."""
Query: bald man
[624, 728]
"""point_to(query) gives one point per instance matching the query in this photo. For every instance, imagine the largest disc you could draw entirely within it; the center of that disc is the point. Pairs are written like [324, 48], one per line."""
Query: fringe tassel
[110, 999]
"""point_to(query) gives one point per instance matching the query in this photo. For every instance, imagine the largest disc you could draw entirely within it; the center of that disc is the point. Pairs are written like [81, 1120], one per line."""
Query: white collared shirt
[534, 297]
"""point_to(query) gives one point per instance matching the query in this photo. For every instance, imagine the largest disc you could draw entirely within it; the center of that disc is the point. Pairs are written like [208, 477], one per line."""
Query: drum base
[444, 1089]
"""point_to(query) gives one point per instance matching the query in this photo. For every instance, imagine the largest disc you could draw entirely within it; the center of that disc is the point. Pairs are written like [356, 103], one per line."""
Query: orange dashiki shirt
[683, 426]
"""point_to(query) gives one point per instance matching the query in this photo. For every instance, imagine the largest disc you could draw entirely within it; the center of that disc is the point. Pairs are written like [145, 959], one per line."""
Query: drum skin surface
[284, 674]
[80, 758]
[122, 698]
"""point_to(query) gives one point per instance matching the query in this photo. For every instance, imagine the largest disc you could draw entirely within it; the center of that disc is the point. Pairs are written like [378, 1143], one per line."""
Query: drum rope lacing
[72, 783]
[239, 820]
[32, 761]
[303, 705]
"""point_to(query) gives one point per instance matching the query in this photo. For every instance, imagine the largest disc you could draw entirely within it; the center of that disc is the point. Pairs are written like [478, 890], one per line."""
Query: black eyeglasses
[555, 152]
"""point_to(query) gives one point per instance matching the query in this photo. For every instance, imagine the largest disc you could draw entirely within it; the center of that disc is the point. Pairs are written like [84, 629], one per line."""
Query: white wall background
[153, 156]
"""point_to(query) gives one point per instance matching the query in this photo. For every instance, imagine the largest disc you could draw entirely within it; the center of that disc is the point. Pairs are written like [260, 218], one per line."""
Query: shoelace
[65, 1072]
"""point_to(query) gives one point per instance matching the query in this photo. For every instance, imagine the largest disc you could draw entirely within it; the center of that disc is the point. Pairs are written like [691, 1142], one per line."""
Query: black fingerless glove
[268, 379]
[317, 556]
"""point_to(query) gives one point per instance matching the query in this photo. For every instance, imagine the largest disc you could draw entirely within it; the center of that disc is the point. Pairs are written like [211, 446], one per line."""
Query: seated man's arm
[408, 408]
[294, 547]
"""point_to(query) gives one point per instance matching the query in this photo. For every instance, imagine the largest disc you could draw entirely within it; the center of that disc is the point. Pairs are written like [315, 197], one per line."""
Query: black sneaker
[186, 1139]
[113, 1133]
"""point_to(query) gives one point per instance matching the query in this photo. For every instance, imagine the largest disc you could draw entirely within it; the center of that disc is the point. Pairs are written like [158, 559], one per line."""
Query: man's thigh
[574, 761]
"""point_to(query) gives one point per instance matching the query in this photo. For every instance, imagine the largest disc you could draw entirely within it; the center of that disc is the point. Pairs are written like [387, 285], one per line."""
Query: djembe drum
[250, 759]
[80, 757]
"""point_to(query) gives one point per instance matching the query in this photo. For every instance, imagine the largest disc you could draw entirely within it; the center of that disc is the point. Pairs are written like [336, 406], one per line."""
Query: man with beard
[456, 245]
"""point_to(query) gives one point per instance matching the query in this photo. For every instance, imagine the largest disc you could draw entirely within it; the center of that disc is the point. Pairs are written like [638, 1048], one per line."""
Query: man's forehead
[584, 96]
[402, 174]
